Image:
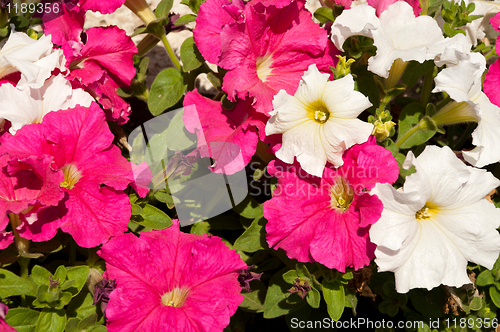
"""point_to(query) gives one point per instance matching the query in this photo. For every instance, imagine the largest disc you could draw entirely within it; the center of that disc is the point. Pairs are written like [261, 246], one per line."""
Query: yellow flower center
[341, 194]
[318, 111]
[71, 176]
[175, 298]
[427, 212]
[264, 67]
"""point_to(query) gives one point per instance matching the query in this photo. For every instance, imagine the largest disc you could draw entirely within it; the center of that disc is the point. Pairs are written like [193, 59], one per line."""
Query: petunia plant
[336, 168]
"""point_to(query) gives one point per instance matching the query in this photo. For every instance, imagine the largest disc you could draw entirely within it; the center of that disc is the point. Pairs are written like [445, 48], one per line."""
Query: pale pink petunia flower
[171, 281]
[326, 220]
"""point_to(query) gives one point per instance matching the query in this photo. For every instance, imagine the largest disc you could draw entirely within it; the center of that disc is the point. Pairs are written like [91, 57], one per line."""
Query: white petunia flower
[397, 34]
[35, 59]
[319, 122]
[22, 105]
[463, 83]
[437, 222]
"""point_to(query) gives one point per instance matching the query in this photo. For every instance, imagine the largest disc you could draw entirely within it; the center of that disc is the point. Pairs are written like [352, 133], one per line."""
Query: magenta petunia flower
[327, 219]
[25, 184]
[100, 63]
[95, 174]
[491, 84]
[171, 281]
[269, 49]
[104, 7]
[4, 327]
[381, 5]
[230, 137]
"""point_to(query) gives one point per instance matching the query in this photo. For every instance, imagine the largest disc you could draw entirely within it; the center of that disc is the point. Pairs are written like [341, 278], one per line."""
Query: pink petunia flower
[25, 183]
[104, 7]
[171, 281]
[230, 137]
[4, 327]
[100, 63]
[491, 84]
[95, 174]
[269, 49]
[327, 219]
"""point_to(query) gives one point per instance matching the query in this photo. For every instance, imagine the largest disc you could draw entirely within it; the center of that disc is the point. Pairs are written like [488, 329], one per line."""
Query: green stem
[426, 89]
[409, 133]
[465, 136]
[170, 52]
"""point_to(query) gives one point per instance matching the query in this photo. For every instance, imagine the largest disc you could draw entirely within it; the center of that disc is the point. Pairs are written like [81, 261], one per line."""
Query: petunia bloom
[319, 122]
[95, 173]
[462, 81]
[397, 34]
[269, 50]
[437, 222]
[183, 282]
[327, 219]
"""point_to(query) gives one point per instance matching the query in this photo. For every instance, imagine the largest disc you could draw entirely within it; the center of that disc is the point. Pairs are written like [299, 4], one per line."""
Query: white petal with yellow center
[319, 122]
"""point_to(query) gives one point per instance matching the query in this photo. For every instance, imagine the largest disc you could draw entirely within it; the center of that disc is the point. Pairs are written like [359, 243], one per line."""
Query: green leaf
[87, 322]
[167, 89]
[164, 8]
[185, 19]
[72, 325]
[412, 116]
[275, 304]
[290, 276]
[302, 271]
[12, 285]
[22, 319]
[190, 55]
[476, 303]
[153, 217]
[495, 296]
[40, 275]
[485, 278]
[333, 293]
[136, 210]
[77, 274]
[81, 305]
[254, 238]
[176, 136]
[313, 298]
[193, 4]
[249, 208]
[51, 320]
[254, 301]
[97, 328]
[143, 68]
[324, 15]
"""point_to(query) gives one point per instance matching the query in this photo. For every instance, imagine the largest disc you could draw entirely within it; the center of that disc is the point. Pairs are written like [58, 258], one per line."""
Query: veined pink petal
[228, 136]
[491, 84]
[213, 15]
[112, 50]
[66, 27]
